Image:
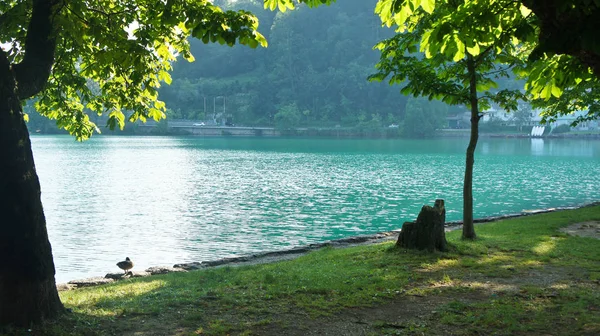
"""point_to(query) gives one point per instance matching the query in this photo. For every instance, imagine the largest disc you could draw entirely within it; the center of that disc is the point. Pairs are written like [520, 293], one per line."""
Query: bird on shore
[125, 265]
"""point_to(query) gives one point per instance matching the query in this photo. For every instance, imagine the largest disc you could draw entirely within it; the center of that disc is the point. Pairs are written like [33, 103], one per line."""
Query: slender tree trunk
[468, 227]
[27, 287]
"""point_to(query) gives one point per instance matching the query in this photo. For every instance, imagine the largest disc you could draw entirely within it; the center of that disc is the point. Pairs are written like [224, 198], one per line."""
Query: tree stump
[428, 231]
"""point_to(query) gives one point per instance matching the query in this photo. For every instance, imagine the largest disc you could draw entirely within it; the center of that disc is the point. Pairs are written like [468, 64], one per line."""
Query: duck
[125, 265]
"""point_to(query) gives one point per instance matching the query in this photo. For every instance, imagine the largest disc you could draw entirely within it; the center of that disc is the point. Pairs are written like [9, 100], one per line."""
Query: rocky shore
[274, 256]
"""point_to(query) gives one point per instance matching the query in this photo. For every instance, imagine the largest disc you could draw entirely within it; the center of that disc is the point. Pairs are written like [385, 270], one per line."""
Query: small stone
[141, 274]
[90, 282]
[115, 276]
[130, 274]
[65, 287]
[189, 266]
[164, 270]
[218, 262]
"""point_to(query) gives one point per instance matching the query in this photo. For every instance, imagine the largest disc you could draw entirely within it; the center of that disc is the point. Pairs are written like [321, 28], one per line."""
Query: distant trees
[522, 116]
[423, 118]
[317, 59]
[288, 117]
[561, 129]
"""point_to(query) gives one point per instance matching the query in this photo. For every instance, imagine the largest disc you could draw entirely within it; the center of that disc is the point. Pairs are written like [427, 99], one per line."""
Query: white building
[508, 119]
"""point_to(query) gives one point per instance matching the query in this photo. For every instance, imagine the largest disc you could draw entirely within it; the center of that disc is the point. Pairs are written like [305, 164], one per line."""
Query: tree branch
[40, 44]
[509, 3]
[498, 70]
[77, 15]
[483, 54]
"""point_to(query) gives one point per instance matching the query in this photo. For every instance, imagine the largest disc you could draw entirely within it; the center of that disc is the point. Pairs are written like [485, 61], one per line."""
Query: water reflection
[537, 146]
[167, 200]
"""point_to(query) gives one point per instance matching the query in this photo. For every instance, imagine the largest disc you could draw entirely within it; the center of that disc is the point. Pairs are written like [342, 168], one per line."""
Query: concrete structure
[462, 120]
[199, 128]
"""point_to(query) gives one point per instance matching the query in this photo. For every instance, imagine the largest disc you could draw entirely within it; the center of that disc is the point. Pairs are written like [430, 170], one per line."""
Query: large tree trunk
[27, 287]
[468, 227]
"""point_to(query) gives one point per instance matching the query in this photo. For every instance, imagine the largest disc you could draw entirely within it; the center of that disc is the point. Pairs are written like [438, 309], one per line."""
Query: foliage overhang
[551, 61]
[446, 43]
[112, 56]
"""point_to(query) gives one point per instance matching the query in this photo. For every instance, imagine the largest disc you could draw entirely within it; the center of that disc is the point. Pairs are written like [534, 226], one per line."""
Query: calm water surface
[164, 200]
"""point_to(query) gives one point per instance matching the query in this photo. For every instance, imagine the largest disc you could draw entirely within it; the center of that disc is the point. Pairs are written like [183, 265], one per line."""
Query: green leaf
[413, 4]
[156, 114]
[189, 57]
[403, 15]
[281, 6]
[165, 77]
[428, 5]
[460, 50]
[261, 39]
[252, 43]
[524, 10]
[271, 4]
[556, 91]
[425, 41]
[546, 92]
[474, 50]
[115, 118]
[384, 9]
[284, 5]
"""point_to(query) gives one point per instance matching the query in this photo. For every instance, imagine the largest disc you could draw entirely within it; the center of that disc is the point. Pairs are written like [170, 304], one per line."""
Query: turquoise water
[164, 200]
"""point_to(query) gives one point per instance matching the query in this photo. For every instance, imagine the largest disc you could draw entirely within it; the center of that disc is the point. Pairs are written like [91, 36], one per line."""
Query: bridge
[202, 128]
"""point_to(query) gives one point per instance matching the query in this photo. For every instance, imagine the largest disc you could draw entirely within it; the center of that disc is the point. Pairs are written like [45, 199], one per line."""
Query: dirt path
[401, 313]
[413, 314]
[585, 229]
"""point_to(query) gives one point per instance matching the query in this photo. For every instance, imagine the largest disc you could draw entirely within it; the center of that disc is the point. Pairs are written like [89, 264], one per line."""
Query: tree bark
[468, 227]
[27, 286]
[33, 71]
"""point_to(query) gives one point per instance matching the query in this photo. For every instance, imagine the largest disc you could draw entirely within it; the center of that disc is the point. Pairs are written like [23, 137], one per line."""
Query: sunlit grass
[545, 247]
[125, 290]
[236, 300]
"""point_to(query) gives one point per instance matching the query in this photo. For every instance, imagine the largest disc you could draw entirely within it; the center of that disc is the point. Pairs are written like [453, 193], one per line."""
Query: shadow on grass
[537, 279]
[523, 271]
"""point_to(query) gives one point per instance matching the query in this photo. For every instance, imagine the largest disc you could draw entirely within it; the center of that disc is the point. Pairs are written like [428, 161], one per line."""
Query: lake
[166, 200]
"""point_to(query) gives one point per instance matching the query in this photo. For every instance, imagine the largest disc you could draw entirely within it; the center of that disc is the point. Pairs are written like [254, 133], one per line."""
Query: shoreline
[288, 254]
[321, 133]
[353, 137]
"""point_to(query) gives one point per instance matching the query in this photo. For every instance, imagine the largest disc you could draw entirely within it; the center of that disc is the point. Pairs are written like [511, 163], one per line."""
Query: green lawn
[520, 277]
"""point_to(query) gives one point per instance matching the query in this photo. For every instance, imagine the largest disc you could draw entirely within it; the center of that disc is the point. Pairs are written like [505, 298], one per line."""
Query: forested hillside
[312, 74]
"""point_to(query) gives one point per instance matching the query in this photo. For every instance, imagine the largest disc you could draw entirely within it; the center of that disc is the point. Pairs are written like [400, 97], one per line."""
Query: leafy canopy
[550, 53]
[284, 5]
[446, 44]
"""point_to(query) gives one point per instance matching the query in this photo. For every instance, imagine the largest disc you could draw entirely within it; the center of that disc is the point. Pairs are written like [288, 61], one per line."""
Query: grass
[521, 276]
